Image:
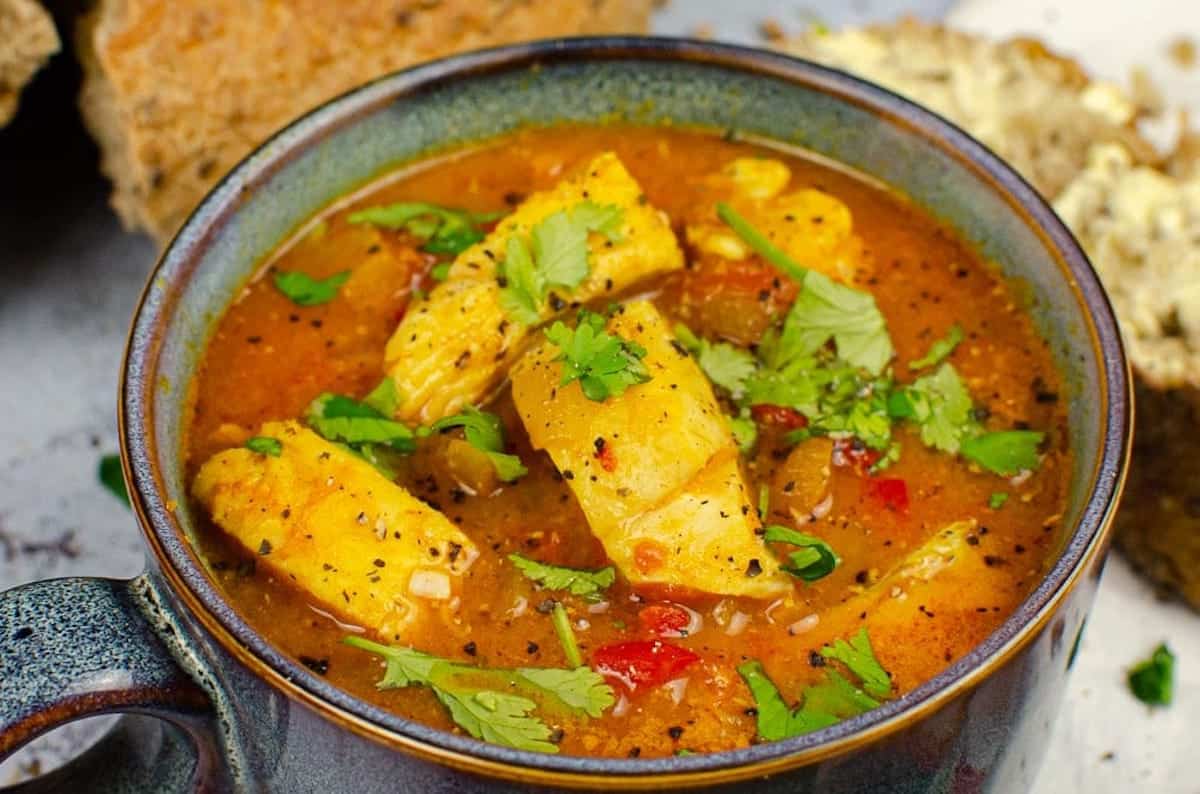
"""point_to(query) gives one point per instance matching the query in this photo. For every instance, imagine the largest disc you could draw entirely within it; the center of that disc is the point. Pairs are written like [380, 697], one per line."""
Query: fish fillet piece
[359, 544]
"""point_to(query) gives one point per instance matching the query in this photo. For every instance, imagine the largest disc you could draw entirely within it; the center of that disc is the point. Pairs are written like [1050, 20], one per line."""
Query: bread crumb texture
[176, 93]
[27, 40]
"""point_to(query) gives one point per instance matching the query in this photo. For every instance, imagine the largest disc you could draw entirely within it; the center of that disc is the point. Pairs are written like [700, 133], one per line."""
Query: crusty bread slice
[176, 93]
[27, 40]
[1037, 110]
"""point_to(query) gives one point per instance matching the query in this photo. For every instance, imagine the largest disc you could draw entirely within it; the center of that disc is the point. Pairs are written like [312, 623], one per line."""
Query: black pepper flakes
[531, 647]
[815, 659]
[675, 731]
[754, 568]
[469, 649]
[264, 548]
[318, 666]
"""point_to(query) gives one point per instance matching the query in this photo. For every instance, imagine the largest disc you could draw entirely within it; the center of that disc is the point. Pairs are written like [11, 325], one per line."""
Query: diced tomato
[642, 663]
[779, 415]
[891, 492]
[856, 454]
[665, 620]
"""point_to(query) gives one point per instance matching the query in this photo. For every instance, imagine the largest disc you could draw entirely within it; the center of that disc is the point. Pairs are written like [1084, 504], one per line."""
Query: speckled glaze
[270, 724]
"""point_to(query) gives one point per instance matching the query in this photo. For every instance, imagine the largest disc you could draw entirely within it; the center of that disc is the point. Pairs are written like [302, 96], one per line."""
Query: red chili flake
[856, 454]
[604, 453]
[891, 492]
[780, 415]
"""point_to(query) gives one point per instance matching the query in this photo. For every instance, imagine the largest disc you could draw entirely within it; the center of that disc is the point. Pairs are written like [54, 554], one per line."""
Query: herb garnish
[304, 290]
[725, 365]
[1151, 680]
[556, 255]
[745, 433]
[815, 558]
[445, 230]
[834, 698]
[562, 627]
[111, 477]
[940, 405]
[485, 433]
[362, 428]
[997, 500]
[1007, 453]
[604, 364]
[575, 581]
[940, 349]
[265, 445]
[481, 701]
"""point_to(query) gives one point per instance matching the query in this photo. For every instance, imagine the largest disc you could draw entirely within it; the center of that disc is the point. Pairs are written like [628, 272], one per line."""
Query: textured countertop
[69, 278]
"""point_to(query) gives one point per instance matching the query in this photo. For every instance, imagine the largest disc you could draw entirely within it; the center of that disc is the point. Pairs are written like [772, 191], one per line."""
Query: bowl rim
[173, 555]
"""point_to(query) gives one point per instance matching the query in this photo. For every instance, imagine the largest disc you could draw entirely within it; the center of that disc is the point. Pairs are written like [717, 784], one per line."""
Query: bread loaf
[27, 40]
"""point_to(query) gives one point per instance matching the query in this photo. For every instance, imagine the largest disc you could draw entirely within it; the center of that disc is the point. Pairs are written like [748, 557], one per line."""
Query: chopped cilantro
[725, 365]
[940, 349]
[604, 364]
[858, 655]
[304, 290]
[340, 418]
[384, 398]
[482, 701]
[265, 445]
[1151, 680]
[826, 310]
[997, 500]
[440, 271]
[745, 432]
[445, 230]
[112, 478]
[822, 704]
[940, 405]
[764, 501]
[575, 581]
[815, 559]
[1007, 453]
[556, 256]
[485, 433]
[566, 637]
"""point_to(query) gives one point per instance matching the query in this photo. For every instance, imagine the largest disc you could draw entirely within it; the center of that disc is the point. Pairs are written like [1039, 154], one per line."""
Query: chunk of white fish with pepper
[655, 468]
[453, 348]
[323, 518]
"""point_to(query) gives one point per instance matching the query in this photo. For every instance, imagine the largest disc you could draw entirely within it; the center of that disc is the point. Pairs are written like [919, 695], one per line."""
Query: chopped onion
[778, 602]
[598, 608]
[622, 707]
[583, 624]
[676, 687]
[822, 508]
[737, 624]
[694, 625]
[1021, 478]
[430, 584]
[804, 624]
[455, 603]
[342, 625]
[518, 609]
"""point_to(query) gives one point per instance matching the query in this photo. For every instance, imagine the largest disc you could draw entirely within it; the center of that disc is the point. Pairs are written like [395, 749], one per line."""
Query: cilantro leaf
[557, 255]
[111, 477]
[265, 445]
[339, 418]
[775, 719]
[445, 230]
[481, 701]
[837, 696]
[745, 433]
[1152, 680]
[304, 290]
[940, 349]
[815, 559]
[826, 310]
[997, 500]
[499, 718]
[521, 296]
[384, 398]
[604, 364]
[485, 433]
[725, 365]
[1007, 453]
[858, 655]
[582, 689]
[940, 405]
[575, 581]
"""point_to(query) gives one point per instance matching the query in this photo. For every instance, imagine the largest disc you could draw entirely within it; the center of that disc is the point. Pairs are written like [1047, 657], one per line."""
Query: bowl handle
[79, 647]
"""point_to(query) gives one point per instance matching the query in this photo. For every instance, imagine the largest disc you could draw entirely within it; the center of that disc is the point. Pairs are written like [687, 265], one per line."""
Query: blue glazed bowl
[230, 711]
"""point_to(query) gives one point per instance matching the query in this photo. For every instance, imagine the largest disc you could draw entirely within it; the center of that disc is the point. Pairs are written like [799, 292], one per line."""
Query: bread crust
[176, 92]
[27, 40]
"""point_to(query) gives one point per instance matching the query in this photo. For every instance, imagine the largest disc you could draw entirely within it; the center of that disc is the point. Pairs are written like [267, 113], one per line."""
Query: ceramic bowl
[228, 710]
